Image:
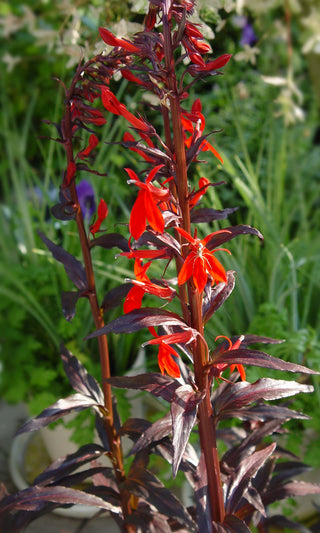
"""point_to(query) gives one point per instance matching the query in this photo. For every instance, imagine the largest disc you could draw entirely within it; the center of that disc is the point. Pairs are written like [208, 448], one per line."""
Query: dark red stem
[206, 425]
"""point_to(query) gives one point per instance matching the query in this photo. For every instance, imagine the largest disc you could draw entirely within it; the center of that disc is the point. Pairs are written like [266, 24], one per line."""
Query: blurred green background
[267, 106]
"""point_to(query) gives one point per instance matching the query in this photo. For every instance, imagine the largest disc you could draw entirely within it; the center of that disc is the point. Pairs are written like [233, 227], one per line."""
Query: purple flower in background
[248, 36]
[86, 199]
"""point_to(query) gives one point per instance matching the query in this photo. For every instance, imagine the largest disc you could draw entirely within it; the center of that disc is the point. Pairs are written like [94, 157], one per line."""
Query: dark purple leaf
[145, 484]
[76, 402]
[72, 266]
[253, 339]
[287, 490]
[157, 384]
[65, 465]
[83, 166]
[65, 210]
[163, 241]
[138, 319]
[257, 358]
[33, 498]
[115, 296]
[207, 214]
[231, 524]
[215, 296]
[80, 380]
[240, 394]
[263, 413]
[111, 240]
[153, 433]
[253, 497]
[69, 301]
[184, 407]
[158, 155]
[234, 456]
[279, 521]
[229, 233]
[201, 497]
[287, 470]
[247, 469]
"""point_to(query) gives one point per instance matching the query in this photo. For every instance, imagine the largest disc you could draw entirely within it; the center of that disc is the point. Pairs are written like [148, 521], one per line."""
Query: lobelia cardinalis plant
[231, 492]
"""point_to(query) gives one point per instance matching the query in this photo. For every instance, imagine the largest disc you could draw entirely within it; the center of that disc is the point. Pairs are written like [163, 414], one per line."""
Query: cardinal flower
[112, 104]
[165, 360]
[200, 262]
[222, 366]
[112, 40]
[142, 285]
[102, 214]
[146, 207]
[194, 123]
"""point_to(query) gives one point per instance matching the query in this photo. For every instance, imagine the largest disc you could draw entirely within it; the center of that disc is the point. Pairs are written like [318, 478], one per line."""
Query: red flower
[200, 262]
[112, 104]
[165, 360]
[222, 366]
[196, 117]
[128, 138]
[112, 40]
[145, 207]
[143, 285]
[196, 196]
[93, 141]
[102, 214]
[70, 173]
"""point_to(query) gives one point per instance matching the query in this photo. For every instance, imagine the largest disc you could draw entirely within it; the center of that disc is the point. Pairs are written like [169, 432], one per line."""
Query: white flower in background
[248, 54]
[289, 100]
[10, 61]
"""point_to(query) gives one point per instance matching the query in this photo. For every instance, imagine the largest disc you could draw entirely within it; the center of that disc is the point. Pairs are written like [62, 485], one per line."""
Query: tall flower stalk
[167, 59]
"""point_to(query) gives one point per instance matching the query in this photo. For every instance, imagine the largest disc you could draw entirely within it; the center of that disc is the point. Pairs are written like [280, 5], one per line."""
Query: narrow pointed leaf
[246, 471]
[261, 359]
[69, 301]
[33, 498]
[145, 484]
[154, 433]
[76, 402]
[72, 266]
[290, 490]
[157, 384]
[207, 214]
[111, 240]
[231, 524]
[80, 379]
[230, 233]
[65, 465]
[215, 296]
[184, 414]
[242, 393]
[115, 296]
[138, 319]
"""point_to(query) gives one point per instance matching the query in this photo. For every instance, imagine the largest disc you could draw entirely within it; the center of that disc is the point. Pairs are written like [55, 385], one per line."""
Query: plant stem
[206, 427]
[116, 455]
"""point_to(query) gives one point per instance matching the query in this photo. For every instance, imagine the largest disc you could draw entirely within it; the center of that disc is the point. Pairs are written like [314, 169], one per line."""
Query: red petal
[166, 363]
[207, 146]
[199, 274]
[187, 269]
[153, 213]
[220, 62]
[137, 222]
[215, 268]
[71, 170]
[133, 299]
[110, 39]
[242, 372]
